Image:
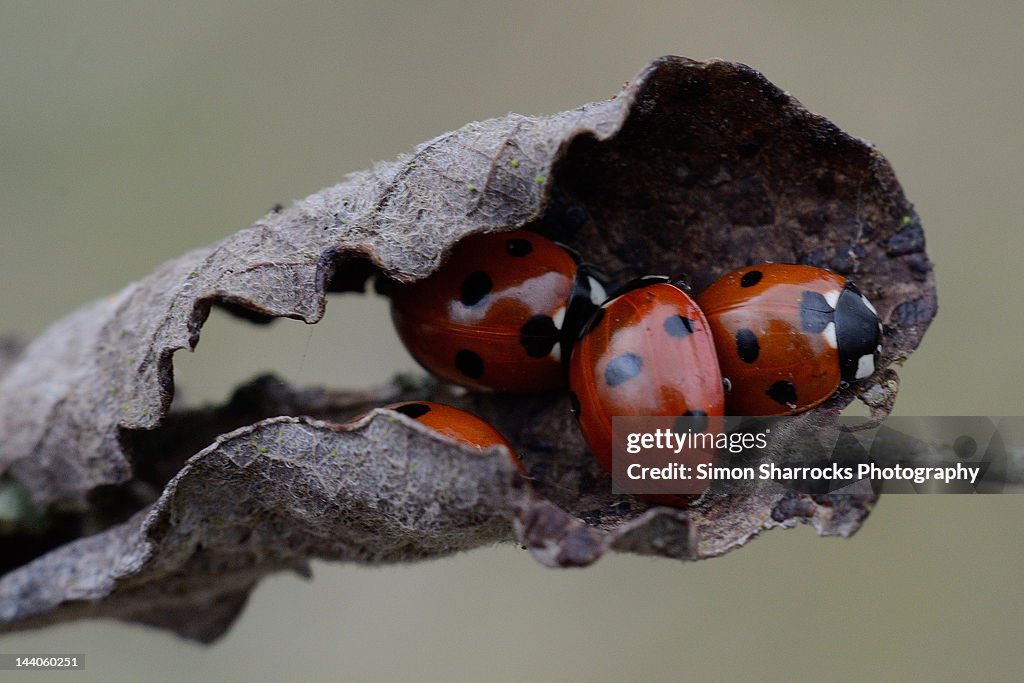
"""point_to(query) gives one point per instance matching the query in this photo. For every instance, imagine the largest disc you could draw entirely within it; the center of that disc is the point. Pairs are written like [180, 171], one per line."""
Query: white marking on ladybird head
[829, 333]
[556, 352]
[868, 304]
[832, 297]
[559, 317]
[865, 366]
[597, 293]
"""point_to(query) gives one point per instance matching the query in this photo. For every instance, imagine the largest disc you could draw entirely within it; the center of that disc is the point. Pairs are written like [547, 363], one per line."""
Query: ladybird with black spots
[646, 352]
[460, 425]
[500, 314]
[788, 336]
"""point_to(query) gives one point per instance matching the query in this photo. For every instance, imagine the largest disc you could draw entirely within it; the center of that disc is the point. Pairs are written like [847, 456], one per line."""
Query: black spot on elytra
[623, 368]
[815, 313]
[538, 336]
[469, 364]
[750, 278]
[474, 288]
[678, 326]
[783, 392]
[695, 420]
[747, 345]
[413, 410]
[518, 247]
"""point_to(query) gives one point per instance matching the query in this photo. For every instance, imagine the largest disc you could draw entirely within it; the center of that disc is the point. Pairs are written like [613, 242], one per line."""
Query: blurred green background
[130, 134]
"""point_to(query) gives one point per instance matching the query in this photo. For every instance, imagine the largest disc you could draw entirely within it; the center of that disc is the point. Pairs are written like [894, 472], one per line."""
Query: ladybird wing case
[460, 425]
[491, 317]
[782, 337]
[648, 352]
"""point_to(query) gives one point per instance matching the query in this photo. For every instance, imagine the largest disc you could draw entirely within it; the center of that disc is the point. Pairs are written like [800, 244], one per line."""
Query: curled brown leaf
[695, 168]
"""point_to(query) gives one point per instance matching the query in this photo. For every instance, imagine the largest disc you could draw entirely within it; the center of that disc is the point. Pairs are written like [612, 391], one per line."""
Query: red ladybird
[499, 312]
[647, 352]
[456, 424]
[788, 335]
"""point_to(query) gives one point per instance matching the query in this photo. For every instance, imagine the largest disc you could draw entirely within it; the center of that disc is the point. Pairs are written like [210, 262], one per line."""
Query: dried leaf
[695, 168]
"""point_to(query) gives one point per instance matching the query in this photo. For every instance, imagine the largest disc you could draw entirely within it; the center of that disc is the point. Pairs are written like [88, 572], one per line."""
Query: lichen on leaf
[693, 169]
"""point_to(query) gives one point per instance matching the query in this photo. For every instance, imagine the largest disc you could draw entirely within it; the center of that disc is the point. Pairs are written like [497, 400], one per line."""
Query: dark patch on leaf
[909, 240]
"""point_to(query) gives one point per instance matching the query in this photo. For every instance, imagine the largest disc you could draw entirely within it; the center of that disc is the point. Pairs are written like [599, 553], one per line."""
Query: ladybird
[646, 352]
[462, 426]
[788, 336]
[500, 314]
